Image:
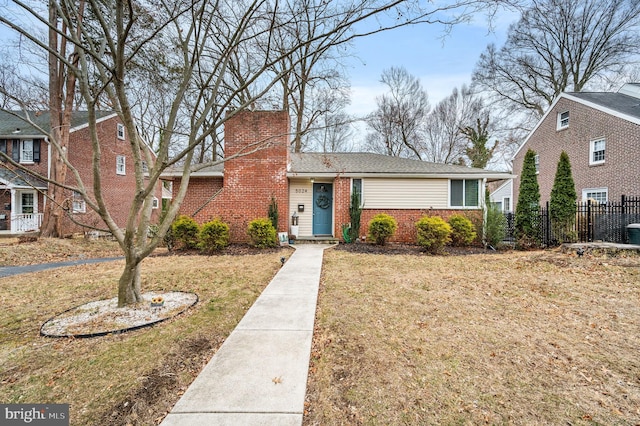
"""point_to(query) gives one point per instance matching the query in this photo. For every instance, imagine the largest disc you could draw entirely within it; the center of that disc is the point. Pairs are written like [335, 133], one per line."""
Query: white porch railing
[26, 222]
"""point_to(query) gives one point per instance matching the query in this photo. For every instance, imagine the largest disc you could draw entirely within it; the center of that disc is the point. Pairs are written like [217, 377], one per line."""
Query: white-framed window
[464, 193]
[563, 120]
[120, 131]
[597, 151]
[27, 203]
[356, 186]
[506, 204]
[536, 161]
[26, 151]
[145, 167]
[79, 206]
[121, 165]
[155, 203]
[599, 195]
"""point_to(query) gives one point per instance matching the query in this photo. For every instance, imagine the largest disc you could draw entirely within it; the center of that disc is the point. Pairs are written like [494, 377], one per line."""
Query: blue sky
[440, 62]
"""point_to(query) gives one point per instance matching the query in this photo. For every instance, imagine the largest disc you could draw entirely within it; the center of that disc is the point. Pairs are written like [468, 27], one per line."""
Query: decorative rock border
[103, 317]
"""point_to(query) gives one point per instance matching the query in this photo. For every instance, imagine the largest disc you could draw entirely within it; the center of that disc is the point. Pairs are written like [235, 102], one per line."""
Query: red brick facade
[249, 180]
[620, 172]
[117, 189]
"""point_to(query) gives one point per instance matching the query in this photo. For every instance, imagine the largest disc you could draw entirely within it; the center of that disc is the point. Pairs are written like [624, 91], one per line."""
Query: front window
[563, 120]
[121, 165]
[597, 151]
[595, 195]
[27, 201]
[465, 193]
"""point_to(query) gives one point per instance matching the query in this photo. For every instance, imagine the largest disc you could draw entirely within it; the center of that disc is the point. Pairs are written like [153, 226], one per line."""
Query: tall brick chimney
[251, 179]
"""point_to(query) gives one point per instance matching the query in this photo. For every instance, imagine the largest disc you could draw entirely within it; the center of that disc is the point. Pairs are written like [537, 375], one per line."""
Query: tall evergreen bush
[355, 211]
[562, 205]
[527, 218]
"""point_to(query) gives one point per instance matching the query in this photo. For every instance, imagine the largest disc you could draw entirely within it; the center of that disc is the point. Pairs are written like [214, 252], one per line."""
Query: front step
[316, 240]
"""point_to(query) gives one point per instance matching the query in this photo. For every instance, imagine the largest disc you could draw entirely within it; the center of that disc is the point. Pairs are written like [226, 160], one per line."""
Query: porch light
[312, 180]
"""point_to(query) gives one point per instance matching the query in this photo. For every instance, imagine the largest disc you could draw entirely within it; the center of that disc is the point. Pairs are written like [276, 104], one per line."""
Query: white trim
[99, 120]
[120, 131]
[122, 163]
[464, 192]
[592, 144]
[490, 175]
[586, 190]
[559, 125]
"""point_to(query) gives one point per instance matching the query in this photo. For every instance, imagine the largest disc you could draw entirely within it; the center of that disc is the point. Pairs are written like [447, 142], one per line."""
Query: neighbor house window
[120, 131]
[597, 151]
[536, 161]
[121, 165]
[3, 149]
[598, 195]
[155, 203]
[145, 168]
[79, 205]
[25, 151]
[465, 193]
[356, 187]
[563, 120]
[506, 204]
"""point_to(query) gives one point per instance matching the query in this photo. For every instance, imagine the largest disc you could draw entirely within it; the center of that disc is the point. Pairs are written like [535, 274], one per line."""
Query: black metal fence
[594, 222]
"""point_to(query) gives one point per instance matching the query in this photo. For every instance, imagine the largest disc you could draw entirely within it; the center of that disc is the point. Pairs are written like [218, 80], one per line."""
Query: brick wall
[621, 169]
[117, 190]
[249, 180]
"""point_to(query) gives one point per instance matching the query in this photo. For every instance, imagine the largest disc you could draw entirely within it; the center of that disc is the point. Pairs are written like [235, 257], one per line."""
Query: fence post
[589, 223]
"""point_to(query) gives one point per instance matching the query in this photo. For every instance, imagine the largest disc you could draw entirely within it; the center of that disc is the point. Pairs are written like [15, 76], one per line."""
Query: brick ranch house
[317, 187]
[23, 194]
[600, 131]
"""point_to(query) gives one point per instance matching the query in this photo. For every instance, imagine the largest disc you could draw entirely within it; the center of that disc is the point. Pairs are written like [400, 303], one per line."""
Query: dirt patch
[159, 390]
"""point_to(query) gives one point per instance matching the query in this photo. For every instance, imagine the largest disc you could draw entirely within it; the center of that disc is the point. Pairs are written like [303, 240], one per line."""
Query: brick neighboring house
[600, 131]
[22, 194]
[317, 187]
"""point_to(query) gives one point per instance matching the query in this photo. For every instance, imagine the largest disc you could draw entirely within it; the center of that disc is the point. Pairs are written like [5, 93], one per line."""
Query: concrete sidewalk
[259, 375]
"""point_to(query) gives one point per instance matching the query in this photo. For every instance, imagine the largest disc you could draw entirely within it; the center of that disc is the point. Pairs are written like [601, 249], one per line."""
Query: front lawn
[514, 338]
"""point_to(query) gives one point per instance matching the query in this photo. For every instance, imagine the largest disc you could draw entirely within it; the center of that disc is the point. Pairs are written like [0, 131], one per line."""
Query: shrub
[495, 226]
[185, 232]
[381, 228]
[433, 233]
[528, 207]
[462, 230]
[355, 211]
[214, 235]
[262, 233]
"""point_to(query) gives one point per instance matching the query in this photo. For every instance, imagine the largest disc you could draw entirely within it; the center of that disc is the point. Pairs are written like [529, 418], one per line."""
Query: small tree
[495, 224]
[528, 207]
[562, 205]
[355, 211]
[273, 212]
[381, 228]
[433, 233]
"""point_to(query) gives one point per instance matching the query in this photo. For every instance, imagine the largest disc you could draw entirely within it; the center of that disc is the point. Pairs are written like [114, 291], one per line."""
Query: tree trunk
[129, 289]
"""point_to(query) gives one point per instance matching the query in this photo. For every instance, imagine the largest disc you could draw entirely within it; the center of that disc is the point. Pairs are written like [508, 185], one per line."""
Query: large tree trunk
[129, 288]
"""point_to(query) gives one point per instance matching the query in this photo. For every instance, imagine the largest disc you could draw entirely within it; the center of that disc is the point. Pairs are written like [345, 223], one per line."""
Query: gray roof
[363, 163]
[21, 179]
[11, 122]
[624, 104]
[309, 164]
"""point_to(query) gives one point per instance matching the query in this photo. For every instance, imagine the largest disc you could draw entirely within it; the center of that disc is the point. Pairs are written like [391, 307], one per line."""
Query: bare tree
[560, 45]
[206, 40]
[397, 123]
[443, 141]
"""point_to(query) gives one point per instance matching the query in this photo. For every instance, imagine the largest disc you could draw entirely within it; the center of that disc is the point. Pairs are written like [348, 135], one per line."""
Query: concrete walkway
[259, 374]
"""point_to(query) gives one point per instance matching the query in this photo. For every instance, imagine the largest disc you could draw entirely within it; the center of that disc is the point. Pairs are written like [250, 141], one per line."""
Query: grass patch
[132, 378]
[516, 338]
[49, 250]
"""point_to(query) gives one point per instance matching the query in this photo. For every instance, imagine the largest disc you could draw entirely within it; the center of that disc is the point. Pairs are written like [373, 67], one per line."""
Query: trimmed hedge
[214, 236]
[185, 232]
[262, 233]
[433, 233]
[382, 227]
[462, 230]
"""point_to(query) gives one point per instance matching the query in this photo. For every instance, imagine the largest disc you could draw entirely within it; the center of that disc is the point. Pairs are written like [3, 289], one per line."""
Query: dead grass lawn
[133, 378]
[49, 250]
[515, 338]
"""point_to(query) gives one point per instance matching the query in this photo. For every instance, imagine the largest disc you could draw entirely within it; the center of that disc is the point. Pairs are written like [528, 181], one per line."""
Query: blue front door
[322, 208]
